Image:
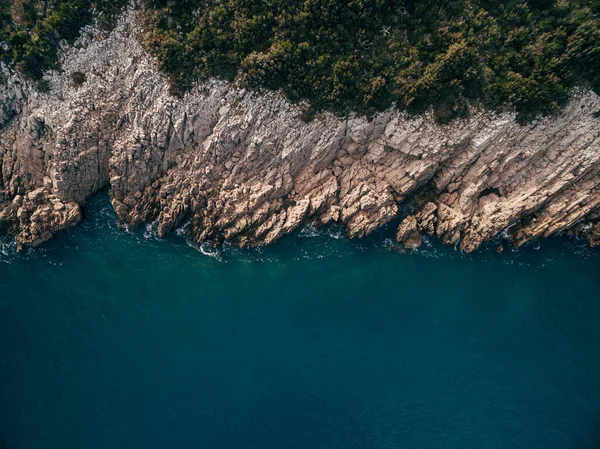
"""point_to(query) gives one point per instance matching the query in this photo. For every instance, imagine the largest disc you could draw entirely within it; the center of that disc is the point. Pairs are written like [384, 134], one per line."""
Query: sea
[115, 339]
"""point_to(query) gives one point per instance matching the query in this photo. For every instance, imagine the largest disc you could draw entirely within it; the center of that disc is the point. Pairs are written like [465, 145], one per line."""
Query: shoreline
[242, 166]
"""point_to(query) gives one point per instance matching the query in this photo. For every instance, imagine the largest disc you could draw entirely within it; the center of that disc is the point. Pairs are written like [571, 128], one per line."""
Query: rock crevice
[243, 166]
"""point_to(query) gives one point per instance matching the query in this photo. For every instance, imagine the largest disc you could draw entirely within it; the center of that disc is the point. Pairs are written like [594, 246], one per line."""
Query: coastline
[242, 165]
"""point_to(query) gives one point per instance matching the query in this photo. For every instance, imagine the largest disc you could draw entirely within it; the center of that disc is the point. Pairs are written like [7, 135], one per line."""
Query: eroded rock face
[243, 166]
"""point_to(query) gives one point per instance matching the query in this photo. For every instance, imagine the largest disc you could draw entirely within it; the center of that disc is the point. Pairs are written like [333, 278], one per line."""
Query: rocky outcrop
[244, 166]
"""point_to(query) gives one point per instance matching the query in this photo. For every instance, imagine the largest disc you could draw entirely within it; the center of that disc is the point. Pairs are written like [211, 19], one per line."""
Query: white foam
[151, 231]
[182, 231]
[206, 249]
[309, 230]
[335, 232]
[8, 250]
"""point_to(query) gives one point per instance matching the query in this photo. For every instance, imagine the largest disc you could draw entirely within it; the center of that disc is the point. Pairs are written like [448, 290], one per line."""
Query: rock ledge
[243, 166]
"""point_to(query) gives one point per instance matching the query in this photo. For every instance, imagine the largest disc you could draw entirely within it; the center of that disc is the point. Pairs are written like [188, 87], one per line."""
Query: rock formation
[244, 166]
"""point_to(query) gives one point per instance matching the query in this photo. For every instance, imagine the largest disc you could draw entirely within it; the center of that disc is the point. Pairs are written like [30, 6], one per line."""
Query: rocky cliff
[244, 166]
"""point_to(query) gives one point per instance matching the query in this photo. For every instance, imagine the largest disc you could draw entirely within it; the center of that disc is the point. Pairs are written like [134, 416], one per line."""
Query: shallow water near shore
[113, 339]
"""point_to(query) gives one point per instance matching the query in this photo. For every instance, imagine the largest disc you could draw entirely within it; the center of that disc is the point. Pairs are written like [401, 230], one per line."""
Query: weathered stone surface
[243, 166]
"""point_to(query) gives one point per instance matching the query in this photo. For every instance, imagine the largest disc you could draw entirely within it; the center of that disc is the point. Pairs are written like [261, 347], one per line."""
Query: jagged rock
[36, 196]
[408, 234]
[22, 214]
[17, 200]
[594, 235]
[413, 242]
[243, 165]
[408, 226]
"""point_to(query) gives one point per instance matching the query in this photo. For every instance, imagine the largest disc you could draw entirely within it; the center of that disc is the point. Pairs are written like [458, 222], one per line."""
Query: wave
[310, 230]
[151, 231]
[8, 250]
[206, 249]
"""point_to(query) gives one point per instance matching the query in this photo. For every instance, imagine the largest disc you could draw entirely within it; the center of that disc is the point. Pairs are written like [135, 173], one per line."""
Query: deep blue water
[113, 339]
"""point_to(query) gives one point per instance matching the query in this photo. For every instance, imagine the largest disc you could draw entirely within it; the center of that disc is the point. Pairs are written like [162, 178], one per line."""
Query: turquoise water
[112, 339]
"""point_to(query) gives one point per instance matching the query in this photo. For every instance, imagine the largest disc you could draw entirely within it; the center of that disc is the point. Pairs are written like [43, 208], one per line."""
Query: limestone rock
[242, 165]
[408, 234]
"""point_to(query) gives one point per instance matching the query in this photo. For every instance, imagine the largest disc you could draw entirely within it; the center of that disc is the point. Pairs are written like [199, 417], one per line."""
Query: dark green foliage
[351, 55]
[32, 29]
[78, 78]
[364, 55]
[43, 86]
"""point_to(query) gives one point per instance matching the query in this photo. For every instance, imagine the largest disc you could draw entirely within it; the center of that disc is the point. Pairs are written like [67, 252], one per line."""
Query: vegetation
[351, 55]
[31, 30]
[78, 78]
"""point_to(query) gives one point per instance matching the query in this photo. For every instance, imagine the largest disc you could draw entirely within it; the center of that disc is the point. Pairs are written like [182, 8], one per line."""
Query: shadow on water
[309, 242]
[98, 232]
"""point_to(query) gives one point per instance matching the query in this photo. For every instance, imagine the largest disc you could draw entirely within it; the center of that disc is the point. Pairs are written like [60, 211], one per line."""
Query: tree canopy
[353, 55]
[31, 30]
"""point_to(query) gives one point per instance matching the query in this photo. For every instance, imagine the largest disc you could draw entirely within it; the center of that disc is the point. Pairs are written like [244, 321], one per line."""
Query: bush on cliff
[364, 55]
[352, 55]
[31, 30]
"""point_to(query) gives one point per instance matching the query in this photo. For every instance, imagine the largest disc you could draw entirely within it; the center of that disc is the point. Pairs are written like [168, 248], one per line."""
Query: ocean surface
[116, 339]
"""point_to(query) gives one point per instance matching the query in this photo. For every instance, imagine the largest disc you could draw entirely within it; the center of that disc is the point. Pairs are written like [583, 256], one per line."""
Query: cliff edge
[243, 165]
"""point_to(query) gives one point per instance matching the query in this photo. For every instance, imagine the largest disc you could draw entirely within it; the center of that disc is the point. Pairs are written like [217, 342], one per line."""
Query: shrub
[32, 29]
[347, 56]
[364, 55]
[78, 78]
